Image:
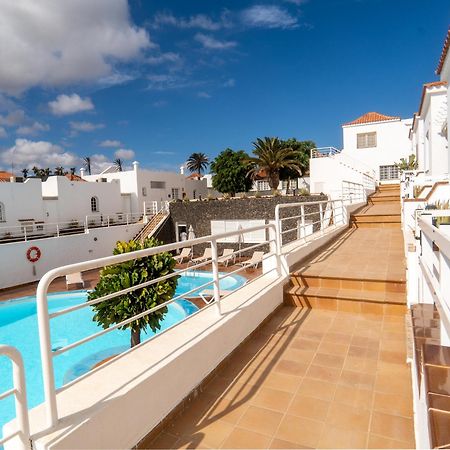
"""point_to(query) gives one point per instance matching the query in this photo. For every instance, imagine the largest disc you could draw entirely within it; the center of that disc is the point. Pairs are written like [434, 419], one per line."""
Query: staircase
[152, 226]
[363, 270]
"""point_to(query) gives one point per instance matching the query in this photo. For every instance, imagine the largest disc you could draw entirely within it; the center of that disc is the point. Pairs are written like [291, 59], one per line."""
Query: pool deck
[91, 278]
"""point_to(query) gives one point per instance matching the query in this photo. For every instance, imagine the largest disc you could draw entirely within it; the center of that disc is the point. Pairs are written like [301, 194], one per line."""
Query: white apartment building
[146, 186]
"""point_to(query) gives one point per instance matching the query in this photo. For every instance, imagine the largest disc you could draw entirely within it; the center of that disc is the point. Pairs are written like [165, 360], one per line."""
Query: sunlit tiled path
[308, 378]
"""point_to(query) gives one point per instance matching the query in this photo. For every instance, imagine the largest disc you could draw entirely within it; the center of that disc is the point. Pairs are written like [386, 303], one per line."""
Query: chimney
[182, 170]
[135, 166]
[82, 172]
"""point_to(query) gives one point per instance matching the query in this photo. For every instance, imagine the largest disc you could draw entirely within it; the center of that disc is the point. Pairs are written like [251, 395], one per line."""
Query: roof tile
[371, 117]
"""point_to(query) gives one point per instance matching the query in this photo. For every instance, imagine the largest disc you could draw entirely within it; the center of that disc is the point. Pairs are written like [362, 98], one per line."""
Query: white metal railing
[41, 230]
[309, 221]
[322, 152]
[22, 430]
[44, 316]
[353, 192]
[434, 269]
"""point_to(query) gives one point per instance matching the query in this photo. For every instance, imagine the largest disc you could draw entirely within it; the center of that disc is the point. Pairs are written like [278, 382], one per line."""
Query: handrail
[44, 317]
[20, 397]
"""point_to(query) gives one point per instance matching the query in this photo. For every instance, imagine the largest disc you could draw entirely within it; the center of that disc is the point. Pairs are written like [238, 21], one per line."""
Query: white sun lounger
[254, 261]
[74, 278]
[185, 254]
[206, 255]
[227, 256]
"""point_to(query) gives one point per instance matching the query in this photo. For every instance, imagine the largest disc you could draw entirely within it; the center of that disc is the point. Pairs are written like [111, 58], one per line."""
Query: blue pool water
[18, 327]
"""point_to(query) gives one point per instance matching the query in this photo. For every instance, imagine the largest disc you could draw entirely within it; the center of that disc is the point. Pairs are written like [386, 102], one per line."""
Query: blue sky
[157, 80]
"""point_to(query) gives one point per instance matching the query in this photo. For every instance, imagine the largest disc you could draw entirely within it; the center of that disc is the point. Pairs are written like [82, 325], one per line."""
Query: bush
[303, 191]
[131, 273]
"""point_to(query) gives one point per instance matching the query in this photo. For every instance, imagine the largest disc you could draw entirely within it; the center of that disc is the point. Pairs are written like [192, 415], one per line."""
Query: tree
[72, 171]
[37, 172]
[59, 170]
[271, 156]
[131, 273]
[229, 171]
[407, 164]
[87, 164]
[25, 173]
[118, 165]
[303, 153]
[197, 162]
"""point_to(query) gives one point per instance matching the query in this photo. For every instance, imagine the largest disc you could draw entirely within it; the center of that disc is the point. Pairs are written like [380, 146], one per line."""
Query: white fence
[21, 435]
[41, 230]
[323, 216]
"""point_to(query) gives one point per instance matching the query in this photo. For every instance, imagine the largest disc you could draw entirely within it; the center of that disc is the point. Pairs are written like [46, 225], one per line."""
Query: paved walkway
[307, 378]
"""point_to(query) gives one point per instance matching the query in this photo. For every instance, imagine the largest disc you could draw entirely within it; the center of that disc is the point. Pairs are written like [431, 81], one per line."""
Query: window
[94, 204]
[144, 192]
[389, 172]
[2, 213]
[175, 193]
[289, 184]
[157, 184]
[262, 185]
[366, 140]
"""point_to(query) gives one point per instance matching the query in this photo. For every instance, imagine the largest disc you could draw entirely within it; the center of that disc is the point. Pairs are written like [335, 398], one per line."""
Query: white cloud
[85, 126]
[34, 128]
[162, 82]
[212, 43]
[203, 94]
[48, 43]
[110, 143]
[268, 16]
[164, 58]
[201, 21]
[3, 133]
[297, 2]
[70, 104]
[28, 153]
[124, 153]
[13, 118]
[99, 163]
[231, 82]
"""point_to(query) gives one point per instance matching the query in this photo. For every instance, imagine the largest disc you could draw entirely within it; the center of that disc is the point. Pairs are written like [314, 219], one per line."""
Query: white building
[146, 186]
[372, 144]
[428, 133]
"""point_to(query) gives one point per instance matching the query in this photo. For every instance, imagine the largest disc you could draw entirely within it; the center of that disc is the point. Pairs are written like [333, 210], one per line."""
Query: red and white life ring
[33, 254]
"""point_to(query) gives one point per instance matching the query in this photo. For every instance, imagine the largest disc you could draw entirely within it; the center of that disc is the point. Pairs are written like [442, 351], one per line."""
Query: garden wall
[199, 214]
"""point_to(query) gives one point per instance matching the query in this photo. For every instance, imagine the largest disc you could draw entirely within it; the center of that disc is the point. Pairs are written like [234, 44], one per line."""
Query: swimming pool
[18, 327]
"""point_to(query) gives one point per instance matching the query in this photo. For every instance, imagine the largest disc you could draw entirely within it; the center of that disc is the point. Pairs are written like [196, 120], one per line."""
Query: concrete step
[373, 218]
[346, 300]
[302, 280]
[375, 225]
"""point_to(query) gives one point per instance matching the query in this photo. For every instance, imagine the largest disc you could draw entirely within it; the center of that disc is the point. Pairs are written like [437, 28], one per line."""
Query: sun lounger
[227, 256]
[74, 279]
[206, 255]
[207, 295]
[185, 254]
[254, 261]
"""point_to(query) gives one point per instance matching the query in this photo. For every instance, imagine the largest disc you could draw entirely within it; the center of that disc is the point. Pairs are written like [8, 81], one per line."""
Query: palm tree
[197, 162]
[37, 172]
[59, 170]
[271, 155]
[25, 173]
[87, 164]
[72, 171]
[118, 165]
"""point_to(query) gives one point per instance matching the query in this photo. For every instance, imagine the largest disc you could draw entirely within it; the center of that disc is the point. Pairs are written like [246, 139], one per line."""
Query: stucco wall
[57, 252]
[200, 213]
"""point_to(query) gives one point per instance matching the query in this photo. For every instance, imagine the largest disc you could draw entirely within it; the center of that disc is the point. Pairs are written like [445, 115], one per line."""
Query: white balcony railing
[309, 221]
[21, 434]
[41, 230]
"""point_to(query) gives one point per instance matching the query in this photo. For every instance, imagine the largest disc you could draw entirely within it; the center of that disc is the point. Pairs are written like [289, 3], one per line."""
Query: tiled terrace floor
[307, 378]
[372, 253]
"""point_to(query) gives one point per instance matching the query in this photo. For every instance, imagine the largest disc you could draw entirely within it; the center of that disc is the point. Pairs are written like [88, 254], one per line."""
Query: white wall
[59, 251]
[392, 143]
[445, 76]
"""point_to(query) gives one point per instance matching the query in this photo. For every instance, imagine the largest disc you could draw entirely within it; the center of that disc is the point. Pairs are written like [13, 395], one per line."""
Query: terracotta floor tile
[291, 367]
[342, 438]
[227, 410]
[302, 431]
[309, 407]
[393, 404]
[322, 373]
[282, 381]
[260, 420]
[279, 443]
[392, 427]
[213, 433]
[357, 398]
[333, 349]
[240, 438]
[317, 389]
[348, 417]
[357, 379]
[272, 399]
[326, 360]
[382, 442]
[356, 364]
[163, 440]
[304, 344]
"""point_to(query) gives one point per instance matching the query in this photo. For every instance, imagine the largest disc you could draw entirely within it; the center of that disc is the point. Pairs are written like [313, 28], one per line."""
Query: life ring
[33, 254]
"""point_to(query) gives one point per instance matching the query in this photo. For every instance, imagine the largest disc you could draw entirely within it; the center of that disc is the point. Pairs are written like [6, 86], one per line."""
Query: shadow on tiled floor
[306, 378]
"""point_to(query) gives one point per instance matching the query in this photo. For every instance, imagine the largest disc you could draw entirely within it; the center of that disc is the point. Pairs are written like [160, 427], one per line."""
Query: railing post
[107, 221]
[57, 230]
[278, 230]
[215, 271]
[321, 216]
[46, 351]
[25, 233]
[303, 223]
